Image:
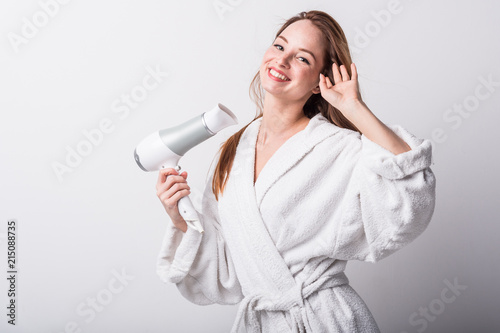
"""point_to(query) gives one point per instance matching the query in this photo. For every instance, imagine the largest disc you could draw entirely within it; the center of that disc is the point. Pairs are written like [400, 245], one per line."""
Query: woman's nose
[283, 60]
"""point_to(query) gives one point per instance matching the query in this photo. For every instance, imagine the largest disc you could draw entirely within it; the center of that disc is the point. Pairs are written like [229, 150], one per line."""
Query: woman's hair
[336, 50]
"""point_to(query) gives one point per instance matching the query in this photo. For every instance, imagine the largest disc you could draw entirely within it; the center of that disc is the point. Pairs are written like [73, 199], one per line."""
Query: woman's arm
[374, 129]
[390, 198]
[199, 264]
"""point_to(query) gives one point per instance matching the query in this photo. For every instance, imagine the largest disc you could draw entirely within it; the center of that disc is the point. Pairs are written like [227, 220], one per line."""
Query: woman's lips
[274, 77]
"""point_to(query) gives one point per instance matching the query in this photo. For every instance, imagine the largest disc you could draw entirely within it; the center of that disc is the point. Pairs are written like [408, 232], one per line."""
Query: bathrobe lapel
[244, 199]
[274, 275]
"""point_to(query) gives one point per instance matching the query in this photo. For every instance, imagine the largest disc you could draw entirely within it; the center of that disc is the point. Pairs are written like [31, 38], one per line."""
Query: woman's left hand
[344, 94]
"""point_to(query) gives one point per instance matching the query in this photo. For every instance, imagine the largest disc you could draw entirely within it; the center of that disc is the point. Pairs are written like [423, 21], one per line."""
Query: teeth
[278, 75]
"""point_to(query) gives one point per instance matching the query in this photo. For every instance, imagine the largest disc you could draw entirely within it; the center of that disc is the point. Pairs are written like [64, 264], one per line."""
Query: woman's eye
[305, 60]
[278, 46]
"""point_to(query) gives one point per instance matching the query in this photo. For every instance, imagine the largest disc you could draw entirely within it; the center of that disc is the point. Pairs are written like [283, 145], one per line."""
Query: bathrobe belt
[292, 301]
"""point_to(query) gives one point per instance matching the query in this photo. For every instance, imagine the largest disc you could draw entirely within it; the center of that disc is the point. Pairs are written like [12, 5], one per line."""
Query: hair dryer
[164, 148]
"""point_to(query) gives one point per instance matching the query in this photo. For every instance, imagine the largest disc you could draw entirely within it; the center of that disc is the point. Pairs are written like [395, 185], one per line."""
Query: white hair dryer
[164, 148]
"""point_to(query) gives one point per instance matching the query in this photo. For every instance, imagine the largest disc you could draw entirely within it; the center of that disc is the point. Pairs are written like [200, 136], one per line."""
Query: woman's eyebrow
[301, 49]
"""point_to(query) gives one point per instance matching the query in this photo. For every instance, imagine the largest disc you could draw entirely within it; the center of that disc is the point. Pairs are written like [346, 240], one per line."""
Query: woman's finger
[170, 201]
[169, 182]
[336, 74]
[163, 173]
[170, 193]
[354, 72]
[328, 82]
[322, 82]
[179, 194]
[345, 75]
[168, 197]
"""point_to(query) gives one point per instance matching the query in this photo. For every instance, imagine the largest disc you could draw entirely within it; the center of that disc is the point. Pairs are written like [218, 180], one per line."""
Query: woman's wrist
[180, 224]
[356, 111]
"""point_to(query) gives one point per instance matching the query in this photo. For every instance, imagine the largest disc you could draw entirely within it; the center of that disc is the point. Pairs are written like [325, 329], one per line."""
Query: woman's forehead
[303, 32]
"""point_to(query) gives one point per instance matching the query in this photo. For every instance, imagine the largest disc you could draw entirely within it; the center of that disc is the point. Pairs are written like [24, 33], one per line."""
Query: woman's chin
[274, 88]
[277, 93]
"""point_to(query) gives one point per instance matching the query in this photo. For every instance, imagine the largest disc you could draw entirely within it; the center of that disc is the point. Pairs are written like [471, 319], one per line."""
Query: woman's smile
[277, 75]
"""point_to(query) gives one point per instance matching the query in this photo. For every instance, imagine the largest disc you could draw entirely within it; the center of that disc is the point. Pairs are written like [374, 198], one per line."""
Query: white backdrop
[82, 82]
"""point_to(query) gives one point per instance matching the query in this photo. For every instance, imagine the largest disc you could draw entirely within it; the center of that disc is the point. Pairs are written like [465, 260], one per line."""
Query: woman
[313, 181]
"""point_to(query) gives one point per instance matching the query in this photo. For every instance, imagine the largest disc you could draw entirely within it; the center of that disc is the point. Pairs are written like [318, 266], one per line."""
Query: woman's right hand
[170, 188]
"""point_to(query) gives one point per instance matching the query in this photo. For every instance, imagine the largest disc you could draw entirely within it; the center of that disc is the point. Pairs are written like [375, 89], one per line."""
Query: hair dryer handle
[187, 211]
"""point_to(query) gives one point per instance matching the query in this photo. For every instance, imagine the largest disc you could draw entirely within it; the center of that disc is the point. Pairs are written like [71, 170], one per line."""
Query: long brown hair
[336, 50]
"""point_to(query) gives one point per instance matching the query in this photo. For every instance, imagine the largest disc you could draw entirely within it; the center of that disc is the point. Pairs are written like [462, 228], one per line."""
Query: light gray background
[104, 216]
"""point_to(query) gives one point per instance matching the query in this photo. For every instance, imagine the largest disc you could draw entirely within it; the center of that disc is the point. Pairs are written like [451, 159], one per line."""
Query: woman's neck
[282, 119]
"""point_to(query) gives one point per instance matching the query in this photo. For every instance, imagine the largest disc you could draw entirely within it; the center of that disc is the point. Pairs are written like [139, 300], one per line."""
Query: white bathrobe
[280, 247]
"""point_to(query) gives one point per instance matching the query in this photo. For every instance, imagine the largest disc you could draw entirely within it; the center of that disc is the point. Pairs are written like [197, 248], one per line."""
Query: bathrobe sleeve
[389, 199]
[200, 264]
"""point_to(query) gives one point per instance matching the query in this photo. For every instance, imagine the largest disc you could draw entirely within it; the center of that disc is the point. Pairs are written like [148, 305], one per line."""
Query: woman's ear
[317, 90]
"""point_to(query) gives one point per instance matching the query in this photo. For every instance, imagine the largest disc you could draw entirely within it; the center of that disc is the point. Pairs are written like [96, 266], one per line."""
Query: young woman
[315, 180]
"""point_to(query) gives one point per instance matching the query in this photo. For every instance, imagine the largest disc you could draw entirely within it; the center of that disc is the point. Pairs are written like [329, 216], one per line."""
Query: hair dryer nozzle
[219, 118]
[138, 160]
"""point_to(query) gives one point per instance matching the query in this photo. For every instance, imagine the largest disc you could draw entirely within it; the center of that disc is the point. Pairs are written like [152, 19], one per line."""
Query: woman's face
[297, 55]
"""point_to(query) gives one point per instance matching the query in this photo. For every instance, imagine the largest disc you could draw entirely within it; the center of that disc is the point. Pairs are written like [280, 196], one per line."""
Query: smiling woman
[298, 192]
